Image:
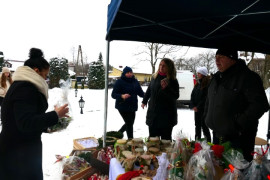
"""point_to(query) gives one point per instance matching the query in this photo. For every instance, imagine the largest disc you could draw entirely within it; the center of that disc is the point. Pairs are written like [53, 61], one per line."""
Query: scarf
[25, 73]
[162, 74]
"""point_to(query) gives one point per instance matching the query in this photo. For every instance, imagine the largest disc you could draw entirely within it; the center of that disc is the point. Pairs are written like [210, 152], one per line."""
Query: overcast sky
[58, 26]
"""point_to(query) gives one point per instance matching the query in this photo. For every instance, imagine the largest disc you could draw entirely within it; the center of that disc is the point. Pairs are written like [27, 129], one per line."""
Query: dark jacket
[23, 121]
[198, 95]
[162, 109]
[129, 86]
[236, 100]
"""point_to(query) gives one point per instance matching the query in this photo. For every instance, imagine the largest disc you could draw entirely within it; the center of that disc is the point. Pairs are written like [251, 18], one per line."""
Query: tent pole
[106, 92]
[268, 130]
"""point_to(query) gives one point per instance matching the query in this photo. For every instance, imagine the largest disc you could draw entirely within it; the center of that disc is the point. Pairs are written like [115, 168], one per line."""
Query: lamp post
[81, 104]
[76, 92]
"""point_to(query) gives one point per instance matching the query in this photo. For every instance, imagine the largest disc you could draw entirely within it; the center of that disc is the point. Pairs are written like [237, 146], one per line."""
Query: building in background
[13, 64]
[142, 75]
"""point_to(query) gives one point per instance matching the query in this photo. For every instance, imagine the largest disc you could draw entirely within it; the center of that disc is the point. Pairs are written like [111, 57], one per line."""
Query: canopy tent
[240, 24]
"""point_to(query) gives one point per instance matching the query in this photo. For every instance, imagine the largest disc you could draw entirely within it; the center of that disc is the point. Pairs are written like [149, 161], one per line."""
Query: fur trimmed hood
[25, 73]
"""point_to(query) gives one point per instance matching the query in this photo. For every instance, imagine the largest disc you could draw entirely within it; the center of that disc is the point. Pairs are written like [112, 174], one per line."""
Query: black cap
[231, 53]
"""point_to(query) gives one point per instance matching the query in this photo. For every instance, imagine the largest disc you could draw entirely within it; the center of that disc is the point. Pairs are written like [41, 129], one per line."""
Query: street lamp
[76, 92]
[81, 104]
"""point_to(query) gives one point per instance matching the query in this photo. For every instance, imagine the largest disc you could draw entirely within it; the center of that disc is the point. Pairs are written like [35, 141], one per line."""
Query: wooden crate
[84, 174]
[78, 146]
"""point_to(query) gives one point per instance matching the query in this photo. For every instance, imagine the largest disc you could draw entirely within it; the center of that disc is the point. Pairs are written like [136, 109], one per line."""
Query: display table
[115, 169]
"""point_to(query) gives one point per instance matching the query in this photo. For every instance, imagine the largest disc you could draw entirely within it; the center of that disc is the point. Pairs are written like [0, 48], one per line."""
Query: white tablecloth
[115, 169]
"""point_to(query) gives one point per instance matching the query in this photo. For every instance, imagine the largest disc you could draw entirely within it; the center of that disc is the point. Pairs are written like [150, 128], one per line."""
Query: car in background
[186, 80]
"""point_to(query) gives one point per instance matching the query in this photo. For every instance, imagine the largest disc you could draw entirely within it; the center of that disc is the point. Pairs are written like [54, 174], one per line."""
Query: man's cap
[127, 69]
[229, 52]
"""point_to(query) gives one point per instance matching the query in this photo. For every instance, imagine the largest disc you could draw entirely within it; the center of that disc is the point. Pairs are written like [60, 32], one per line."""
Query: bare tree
[206, 59]
[191, 64]
[156, 52]
[247, 56]
[266, 78]
[73, 51]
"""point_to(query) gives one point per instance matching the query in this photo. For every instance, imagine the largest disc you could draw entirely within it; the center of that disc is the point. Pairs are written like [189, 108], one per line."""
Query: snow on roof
[71, 73]
[15, 64]
[137, 70]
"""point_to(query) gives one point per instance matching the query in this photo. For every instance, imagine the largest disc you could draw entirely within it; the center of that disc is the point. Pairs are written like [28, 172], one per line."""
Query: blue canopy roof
[241, 24]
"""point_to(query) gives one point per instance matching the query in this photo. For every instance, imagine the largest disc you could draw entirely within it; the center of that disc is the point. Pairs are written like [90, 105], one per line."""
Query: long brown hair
[205, 81]
[171, 74]
[4, 79]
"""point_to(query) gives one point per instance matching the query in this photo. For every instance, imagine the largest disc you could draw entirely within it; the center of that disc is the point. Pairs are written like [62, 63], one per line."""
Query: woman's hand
[164, 83]
[61, 111]
[143, 105]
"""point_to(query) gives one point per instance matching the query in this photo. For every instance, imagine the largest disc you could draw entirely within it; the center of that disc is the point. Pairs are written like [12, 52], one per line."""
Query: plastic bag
[200, 165]
[71, 164]
[162, 171]
[179, 157]
[64, 121]
[260, 166]
[237, 163]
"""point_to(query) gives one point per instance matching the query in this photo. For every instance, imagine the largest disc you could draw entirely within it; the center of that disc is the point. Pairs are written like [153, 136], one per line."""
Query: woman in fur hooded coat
[24, 118]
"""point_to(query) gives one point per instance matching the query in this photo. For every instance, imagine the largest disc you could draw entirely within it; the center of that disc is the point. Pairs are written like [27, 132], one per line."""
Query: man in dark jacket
[236, 100]
[125, 91]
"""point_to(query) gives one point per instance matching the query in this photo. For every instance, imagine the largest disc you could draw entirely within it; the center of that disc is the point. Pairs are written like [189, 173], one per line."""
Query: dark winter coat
[162, 109]
[23, 121]
[129, 86]
[198, 96]
[236, 100]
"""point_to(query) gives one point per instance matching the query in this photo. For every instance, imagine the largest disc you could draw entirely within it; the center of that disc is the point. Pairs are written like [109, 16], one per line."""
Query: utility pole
[80, 59]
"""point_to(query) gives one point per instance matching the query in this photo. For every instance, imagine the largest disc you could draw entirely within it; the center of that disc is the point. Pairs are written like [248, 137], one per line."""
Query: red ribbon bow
[231, 168]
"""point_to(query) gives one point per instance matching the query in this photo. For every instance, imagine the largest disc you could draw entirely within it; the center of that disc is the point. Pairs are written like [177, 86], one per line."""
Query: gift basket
[200, 165]
[72, 165]
[64, 121]
[179, 157]
[236, 166]
[259, 168]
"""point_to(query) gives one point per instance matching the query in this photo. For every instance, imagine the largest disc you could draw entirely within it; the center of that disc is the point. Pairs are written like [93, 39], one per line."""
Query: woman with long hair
[24, 118]
[5, 83]
[162, 93]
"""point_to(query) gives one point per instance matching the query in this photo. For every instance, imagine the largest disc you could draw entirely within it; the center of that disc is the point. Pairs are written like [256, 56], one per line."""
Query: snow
[91, 124]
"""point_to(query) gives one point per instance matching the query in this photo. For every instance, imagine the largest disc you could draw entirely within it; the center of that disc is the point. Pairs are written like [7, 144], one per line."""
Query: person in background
[162, 93]
[198, 98]
[6, 81]
[24, 118]
[125, 91]
[235, 102]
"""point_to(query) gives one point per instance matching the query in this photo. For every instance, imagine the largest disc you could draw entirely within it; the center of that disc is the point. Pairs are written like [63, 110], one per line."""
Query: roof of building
[15, 64]
[136, 70]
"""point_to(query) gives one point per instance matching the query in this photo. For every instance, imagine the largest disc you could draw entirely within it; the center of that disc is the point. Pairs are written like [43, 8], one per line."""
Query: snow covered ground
[91, 123]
